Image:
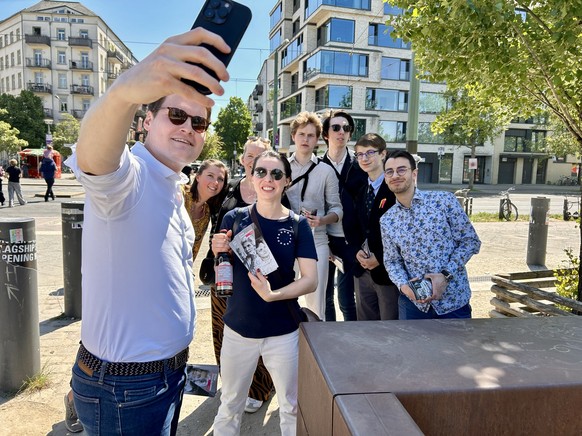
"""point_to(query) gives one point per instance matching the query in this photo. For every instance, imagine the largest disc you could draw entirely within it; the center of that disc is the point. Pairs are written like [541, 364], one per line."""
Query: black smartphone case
[228, 19]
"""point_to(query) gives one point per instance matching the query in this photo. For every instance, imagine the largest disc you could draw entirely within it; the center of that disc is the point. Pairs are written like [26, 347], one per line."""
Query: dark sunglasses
[336, 128]
[179, 117]
[276, 174]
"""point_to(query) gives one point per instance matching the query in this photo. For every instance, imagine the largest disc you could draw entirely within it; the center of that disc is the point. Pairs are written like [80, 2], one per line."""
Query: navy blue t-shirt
[247, 313]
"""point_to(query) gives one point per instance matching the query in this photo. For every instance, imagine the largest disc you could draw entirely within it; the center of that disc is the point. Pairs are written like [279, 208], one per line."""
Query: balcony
[82, 89]
[39, 87]
[78, 114]
[112, 75]
[258, 108]
[81, 65]
[38, 63]
[37, 39]
[115, 55]
[81, 42]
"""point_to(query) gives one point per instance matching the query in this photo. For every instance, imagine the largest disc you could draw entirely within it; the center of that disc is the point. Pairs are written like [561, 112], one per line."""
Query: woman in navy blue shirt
[261, 315]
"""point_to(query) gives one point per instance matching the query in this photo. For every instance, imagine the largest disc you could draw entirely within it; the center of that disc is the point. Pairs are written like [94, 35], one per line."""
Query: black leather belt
[132, 368]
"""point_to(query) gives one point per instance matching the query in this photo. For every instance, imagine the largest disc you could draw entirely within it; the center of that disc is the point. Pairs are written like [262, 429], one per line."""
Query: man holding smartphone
[426, 235]
[138, 291]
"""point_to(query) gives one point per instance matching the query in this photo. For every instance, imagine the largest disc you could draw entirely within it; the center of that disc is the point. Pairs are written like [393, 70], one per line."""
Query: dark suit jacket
[369, 228]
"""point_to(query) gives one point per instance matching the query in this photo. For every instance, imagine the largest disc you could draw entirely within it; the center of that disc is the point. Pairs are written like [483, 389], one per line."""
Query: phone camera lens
[222, 12]
[209, 13]
[215, 4]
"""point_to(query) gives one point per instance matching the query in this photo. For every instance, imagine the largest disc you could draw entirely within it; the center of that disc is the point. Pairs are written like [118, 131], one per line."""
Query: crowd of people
[355, 214]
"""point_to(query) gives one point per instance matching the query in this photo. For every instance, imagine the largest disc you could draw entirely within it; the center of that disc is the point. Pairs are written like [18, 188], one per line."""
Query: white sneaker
[252, 405]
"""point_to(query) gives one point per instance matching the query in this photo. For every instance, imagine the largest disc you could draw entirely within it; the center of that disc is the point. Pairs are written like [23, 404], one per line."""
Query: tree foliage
[527, 54]
[233, 126]
[25, 113]
[65, 132]
[213, 147]
[9, 140]
[469, 122]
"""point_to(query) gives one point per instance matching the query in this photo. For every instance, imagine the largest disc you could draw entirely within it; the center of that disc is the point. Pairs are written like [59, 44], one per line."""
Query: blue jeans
[345, 282]
[128, 405]
[407, 310]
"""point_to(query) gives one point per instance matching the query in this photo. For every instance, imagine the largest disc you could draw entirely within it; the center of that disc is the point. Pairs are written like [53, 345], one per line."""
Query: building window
[12, 59]
[13, 81]
[395, 69]
[336, 30]
[312, 5]
[296, 4]
[275, 41]
[61, 34]
[333, 96]
[86, 103]
[291, 107]
[37, 58]
[432, 103]
[18, 57]
[296, 27]
[359, 128]
[391, 10]
[61, 57]
[386, 100]
[336, 62]
[11, 37]
[379, 35]
[19, 80]
[392, 131]
[514, 140]
[276, 15]
[63, 81]
[18, 34]
[294, 82]
[84, 60]
[38, 78]
[425, 135]
[292, 51]
[83, 33]
[85, 80]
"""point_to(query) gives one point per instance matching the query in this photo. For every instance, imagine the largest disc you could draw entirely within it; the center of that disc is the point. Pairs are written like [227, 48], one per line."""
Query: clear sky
[142, 25]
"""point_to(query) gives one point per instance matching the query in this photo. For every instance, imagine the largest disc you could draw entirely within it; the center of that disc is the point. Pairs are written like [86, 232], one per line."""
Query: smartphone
[422, 288]
[228, 19]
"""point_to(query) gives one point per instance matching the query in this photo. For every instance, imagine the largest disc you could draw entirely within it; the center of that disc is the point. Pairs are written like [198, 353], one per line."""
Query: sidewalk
[503, 249]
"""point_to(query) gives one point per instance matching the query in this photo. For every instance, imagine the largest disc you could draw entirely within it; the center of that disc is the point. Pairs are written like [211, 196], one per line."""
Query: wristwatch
[448, 275]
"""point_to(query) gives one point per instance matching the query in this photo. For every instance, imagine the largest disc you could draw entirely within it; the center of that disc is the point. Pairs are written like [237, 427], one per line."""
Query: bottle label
[224, 275]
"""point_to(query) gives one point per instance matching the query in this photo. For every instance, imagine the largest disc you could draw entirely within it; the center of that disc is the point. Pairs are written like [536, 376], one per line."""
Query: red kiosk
[32, 158]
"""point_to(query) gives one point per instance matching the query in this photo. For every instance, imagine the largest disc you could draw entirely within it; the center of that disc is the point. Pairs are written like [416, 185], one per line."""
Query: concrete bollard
[537, 239]
[19, 330]
[72, 214]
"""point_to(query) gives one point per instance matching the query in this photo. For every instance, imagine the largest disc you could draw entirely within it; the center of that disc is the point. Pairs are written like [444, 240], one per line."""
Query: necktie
[370, 198]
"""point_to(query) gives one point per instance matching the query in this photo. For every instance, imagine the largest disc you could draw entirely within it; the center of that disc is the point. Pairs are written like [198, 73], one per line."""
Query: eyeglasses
[276, 174]
[258, 138]
[367, 154]
[179, 117]
[400, 171]
[337, 127]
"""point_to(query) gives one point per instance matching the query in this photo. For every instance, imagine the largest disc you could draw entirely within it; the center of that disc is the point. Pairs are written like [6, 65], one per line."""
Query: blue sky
[142, 25]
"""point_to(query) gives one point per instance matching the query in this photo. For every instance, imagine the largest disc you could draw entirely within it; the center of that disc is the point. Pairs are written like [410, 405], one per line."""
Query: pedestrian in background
[47, 171]
[14, 175]
[2, 199]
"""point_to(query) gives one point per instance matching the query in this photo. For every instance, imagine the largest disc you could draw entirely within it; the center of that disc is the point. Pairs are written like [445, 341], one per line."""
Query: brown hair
[372, 140]
[304, 118]
[215, 201]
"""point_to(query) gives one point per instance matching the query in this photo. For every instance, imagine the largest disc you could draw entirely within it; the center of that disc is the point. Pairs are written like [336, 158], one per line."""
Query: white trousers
[238, 360]
[316, 300]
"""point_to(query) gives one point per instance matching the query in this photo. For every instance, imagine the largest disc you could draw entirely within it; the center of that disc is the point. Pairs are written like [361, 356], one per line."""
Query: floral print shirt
[434, 234]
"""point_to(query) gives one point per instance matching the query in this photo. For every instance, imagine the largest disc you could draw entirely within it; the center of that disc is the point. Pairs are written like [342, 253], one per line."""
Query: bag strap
[305, 176]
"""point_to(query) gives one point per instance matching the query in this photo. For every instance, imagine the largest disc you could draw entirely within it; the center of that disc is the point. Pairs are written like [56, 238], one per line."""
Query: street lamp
[276, 95]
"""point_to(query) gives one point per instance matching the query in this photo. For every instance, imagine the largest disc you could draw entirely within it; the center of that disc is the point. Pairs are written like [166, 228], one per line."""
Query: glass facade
[392, 131]
[291, 107]
[312, 5]
[336, 30]
[425, 136]
[336, 62]
[359, 128]
[276, 15]
[432, 103]
[333, 96]
[292, 51]
[395, 69]
[379, 35]
[275, 41]
[386, 100]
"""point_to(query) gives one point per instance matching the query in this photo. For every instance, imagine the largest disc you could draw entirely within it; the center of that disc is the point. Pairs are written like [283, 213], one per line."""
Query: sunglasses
[337, 127]
[179, 117]
[276, 174]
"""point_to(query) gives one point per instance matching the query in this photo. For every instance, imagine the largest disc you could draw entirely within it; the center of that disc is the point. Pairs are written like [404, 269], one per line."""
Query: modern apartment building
[64, 53]
[339, 54]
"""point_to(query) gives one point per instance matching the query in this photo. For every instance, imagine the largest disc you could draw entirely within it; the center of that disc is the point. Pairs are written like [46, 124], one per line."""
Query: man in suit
[376, 295]
[338, 127]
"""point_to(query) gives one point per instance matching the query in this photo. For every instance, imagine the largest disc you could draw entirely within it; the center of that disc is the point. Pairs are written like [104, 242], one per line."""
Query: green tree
[25, 113]
[469, 122]
[9, 140]
[233, 126]
[65, 132]
[213, 147]
[526, 54]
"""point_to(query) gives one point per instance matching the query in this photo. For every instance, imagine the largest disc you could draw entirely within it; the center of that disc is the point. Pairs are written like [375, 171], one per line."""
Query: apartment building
[64, 53]
[339, 54]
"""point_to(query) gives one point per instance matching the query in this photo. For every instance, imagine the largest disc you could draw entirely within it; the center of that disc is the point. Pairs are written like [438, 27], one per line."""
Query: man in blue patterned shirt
[426, 234]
